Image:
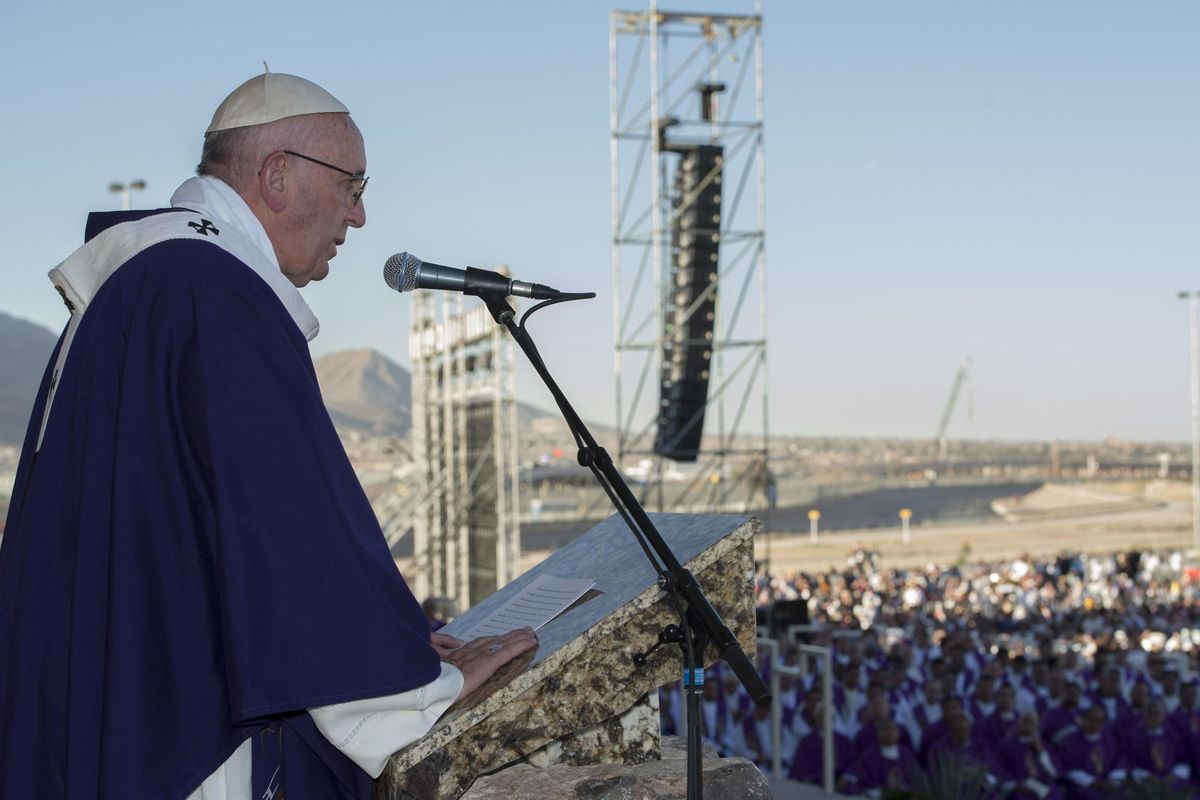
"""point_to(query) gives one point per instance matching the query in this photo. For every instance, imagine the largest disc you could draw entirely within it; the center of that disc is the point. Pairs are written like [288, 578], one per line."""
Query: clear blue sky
[1014, 181]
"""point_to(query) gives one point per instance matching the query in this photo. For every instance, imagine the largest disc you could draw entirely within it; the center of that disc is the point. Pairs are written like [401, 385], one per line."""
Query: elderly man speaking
[196, 600]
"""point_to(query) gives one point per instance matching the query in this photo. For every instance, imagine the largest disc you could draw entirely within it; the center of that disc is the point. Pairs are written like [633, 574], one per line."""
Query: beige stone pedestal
[724, 779]
[579, 699]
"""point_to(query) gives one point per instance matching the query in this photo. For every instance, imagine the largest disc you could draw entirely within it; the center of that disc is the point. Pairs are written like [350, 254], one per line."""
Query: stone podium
[579, 699]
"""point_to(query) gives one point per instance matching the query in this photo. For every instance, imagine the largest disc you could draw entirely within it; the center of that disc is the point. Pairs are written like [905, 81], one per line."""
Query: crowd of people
[1068, 677]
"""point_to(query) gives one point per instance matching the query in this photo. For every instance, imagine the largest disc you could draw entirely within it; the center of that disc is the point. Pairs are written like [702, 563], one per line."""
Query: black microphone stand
[699, 622]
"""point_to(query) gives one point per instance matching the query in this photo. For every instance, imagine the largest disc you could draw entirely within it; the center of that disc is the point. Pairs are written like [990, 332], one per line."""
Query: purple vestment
[993, 730]
[189, 558]
[1023, 768]
[1088, 761]
[1153, 753]
[874, 770]
[808, 758]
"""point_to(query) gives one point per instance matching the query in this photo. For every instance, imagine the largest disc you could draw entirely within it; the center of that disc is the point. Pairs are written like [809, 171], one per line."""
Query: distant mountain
[24, 350]
[366, 392]
[363, 390]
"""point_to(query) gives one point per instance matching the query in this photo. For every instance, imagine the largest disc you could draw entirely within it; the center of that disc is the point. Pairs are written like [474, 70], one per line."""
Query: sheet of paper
[541, 601]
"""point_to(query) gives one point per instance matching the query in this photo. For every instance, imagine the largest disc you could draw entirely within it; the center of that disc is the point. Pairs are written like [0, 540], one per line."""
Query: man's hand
[479, 659]
[444, 644]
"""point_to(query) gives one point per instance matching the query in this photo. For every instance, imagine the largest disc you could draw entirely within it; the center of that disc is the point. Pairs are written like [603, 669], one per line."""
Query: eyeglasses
[354, 196]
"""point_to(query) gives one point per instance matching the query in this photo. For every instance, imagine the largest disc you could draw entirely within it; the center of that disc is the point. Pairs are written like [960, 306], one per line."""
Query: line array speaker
[691, 301]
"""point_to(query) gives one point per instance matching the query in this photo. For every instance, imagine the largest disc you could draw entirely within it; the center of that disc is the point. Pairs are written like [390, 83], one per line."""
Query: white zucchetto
[272, 96]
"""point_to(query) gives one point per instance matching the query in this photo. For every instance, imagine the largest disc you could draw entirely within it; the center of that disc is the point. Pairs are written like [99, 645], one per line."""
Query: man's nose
[358, 214]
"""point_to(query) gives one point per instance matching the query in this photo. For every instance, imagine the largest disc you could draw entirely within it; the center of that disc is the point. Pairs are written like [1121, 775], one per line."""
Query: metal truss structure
[680, 80]
[466, 526]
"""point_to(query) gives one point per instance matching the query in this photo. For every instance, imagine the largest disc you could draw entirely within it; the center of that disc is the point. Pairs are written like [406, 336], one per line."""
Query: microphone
[405, 272]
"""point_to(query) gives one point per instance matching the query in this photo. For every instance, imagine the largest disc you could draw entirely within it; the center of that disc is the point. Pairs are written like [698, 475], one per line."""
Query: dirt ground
[1099, 518]
[1158, 515]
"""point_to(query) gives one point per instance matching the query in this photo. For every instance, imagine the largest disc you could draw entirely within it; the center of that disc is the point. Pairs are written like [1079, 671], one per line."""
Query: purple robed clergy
[1152, 750]
[939, 731]
[1185, 730]
[1024, 767]
[1109, 696]
[877, 709]
[190, 571]
[1184, 721]
[808, 754]
[1064, 716]
[1002, 723]
[1090, 759]
[960, 743]
[885, 765]
[880, 768]
[808, 759]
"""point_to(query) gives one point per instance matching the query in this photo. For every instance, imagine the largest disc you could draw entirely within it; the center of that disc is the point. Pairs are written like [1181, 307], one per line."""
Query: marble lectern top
[582, 671]
[610, 555]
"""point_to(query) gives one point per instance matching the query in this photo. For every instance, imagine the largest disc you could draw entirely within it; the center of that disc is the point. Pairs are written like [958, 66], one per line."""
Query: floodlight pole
[125, 190]
[1194, 356]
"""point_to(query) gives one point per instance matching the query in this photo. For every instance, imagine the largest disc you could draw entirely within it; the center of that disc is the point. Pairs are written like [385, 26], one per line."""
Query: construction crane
[963, 375]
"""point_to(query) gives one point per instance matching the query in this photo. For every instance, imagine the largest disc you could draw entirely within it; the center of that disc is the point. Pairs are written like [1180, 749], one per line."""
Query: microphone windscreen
[401, 271]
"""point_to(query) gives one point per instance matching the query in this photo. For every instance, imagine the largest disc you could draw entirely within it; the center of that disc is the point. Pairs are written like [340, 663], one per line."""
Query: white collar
[216, 199]
[891, 752]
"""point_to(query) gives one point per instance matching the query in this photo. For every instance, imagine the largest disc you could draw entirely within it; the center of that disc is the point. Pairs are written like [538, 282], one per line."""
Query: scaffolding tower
[466, 528]
[682, 84]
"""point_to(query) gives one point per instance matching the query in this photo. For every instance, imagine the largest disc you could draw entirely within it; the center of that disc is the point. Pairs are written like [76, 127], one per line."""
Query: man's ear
[272, 181]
